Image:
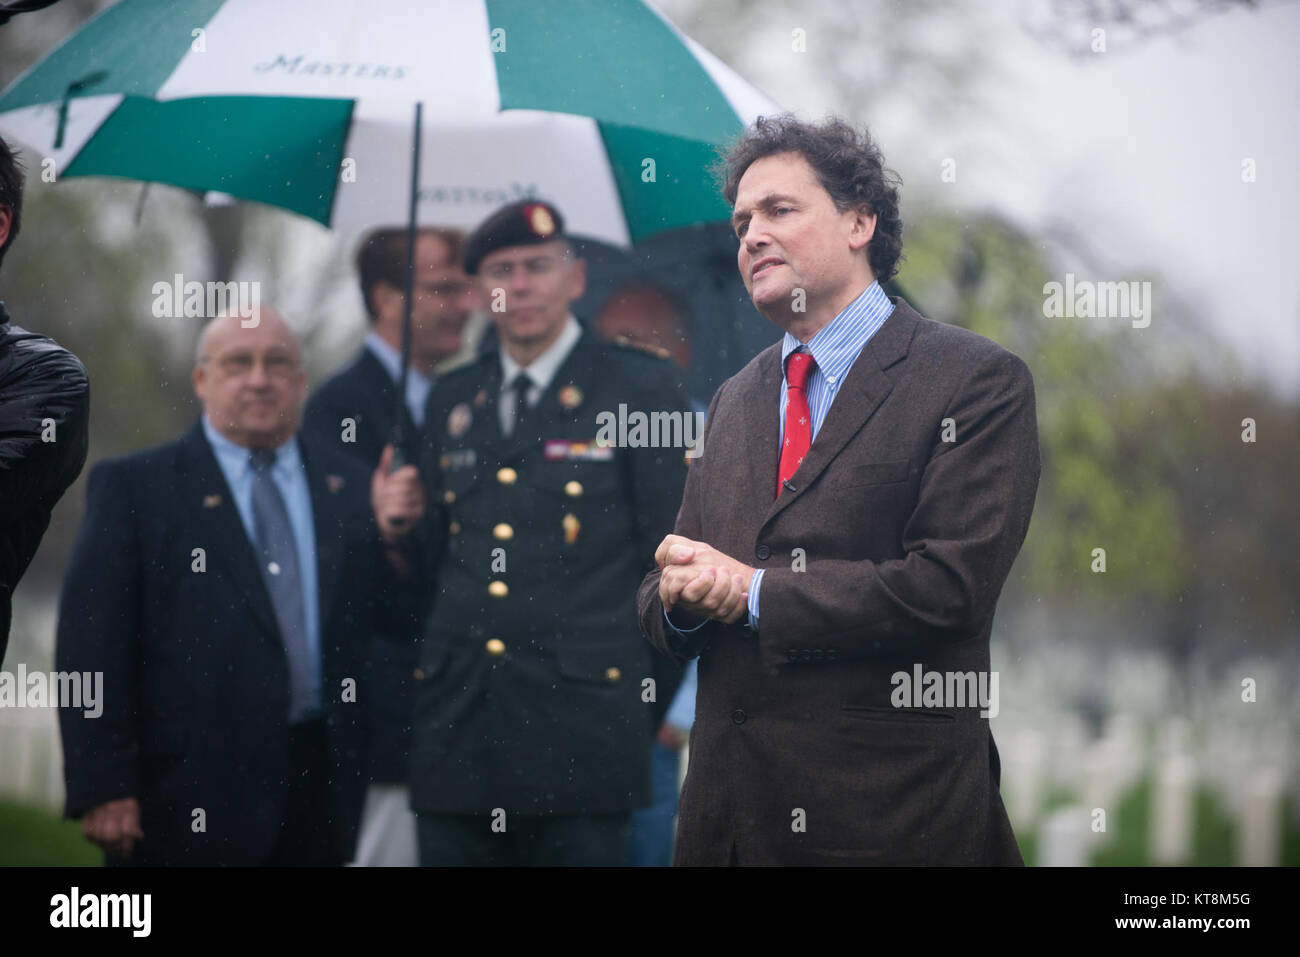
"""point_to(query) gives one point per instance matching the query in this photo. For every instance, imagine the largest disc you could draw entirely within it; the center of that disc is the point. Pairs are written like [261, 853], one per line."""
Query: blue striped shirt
[834, 349]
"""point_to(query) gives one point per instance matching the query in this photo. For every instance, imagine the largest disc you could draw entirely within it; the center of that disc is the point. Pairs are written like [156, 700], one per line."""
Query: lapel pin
[458, 421]
[211, 501]
[570, 397]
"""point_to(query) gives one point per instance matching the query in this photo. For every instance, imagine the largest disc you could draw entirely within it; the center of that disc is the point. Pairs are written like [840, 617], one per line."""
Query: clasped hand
[701, 581]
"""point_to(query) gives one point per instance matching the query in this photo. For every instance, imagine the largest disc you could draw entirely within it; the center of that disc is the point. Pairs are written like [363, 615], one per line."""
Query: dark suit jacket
[196, 682]
[907, 541]
[39, 383]
[531, 699]
[364, 392]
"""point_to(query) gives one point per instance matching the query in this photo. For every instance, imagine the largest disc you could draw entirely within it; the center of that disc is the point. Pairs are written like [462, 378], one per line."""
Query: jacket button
[738, 716]
[495, 647]
[507, 476]
[498, 589]
[573, 489]
[418, 674]
[612, 674]
[449, 496]
[503, 532]
[763, 553]
[454, 528]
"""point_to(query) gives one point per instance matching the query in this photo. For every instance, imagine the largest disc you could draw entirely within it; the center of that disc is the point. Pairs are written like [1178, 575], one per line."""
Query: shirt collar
[234, 458]
[542, 369]
[391, 360]
[838, 343]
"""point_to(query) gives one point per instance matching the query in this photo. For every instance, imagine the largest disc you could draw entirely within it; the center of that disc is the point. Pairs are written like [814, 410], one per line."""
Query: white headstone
[1024, 777]
[1259, 828]
[1063, 838]
[1173, 810]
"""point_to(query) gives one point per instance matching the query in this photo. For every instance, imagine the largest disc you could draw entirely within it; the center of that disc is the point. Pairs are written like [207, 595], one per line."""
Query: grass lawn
[1213, 837]
[31, 836]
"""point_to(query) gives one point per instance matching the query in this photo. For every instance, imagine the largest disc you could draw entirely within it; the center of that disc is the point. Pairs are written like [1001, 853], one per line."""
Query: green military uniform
[532, 679]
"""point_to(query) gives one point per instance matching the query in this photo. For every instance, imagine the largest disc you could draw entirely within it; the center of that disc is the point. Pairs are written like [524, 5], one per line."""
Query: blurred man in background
[225, 584]
[44, 417]
[354, 412]
[645, 313]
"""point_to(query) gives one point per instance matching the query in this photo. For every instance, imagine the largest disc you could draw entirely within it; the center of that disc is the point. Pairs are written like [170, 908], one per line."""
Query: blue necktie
[277, 557]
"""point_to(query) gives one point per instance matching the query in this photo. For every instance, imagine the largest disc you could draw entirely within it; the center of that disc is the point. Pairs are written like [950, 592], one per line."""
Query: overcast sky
[1139, 150]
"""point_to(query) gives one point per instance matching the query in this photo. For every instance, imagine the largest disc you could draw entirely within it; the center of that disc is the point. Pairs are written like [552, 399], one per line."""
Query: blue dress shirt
[418, 385]
[834, 349]
[291, 479]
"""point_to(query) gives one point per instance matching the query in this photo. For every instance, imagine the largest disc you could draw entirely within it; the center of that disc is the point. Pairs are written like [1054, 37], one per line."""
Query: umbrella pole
[399, 429]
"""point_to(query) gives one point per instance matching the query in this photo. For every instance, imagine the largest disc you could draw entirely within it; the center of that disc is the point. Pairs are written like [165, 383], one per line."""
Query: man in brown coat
[879, 470]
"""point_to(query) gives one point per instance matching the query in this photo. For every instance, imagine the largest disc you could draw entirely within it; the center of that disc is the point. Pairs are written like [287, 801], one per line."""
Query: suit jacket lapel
[325, 489]
[865, 387]
[218, 527]
[761, 411]
[485, 424]
[383, 391]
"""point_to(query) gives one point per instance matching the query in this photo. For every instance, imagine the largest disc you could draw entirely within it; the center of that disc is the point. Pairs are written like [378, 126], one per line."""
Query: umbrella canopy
[601, 106]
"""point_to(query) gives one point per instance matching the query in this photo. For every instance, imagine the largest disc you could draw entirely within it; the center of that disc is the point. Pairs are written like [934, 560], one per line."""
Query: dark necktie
[520, 384]
[798, 420]
[277, 558]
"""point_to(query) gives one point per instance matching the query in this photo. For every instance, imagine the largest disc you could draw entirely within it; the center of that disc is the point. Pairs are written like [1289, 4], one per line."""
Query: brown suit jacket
[797, 754]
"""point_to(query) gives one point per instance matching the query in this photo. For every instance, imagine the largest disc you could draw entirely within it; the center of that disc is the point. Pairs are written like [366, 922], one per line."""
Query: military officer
[535, 702]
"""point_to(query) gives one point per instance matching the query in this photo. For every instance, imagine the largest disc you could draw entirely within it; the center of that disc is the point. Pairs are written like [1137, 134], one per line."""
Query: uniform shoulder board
[659, 352]
[468, 367]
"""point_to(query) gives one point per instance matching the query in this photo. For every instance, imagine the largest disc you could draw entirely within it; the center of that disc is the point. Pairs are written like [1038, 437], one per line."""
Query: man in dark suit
[879, 469]
[536, 701]
[224, 584]
[354, 412]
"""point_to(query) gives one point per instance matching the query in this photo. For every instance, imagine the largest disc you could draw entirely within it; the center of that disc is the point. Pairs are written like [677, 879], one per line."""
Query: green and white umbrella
[600, 106]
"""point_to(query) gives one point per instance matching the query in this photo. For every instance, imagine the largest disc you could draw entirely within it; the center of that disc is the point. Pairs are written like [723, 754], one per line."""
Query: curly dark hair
[11, 192]
[848, 164]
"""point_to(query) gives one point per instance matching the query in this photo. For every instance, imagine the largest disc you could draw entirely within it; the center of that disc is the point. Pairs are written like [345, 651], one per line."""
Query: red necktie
[798, 421]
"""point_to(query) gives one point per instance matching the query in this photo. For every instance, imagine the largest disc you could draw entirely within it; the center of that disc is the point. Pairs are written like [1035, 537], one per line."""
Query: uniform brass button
[613, 674]
[507, 476]
[418, 673]
[498, 589]
[503, 532]
[449, 496]
[573, 489]
[454, 528]
[495, 647]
